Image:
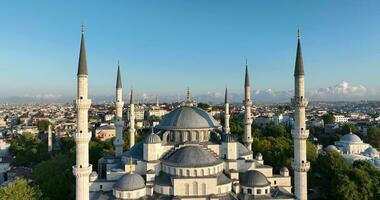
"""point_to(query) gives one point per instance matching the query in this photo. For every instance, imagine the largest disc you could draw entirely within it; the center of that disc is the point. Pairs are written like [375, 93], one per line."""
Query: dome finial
[131, 171]
[82, 28]
[298, 33]
[188, 94]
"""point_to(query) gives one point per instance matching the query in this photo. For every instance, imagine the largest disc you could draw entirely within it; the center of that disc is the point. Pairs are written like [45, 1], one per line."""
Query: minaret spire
[299, 132]
[119, 124]
[248, 106]
[132, 130]
[226, 113]
[82, 64]
[299, 68]
[118, 79]
[82, 168]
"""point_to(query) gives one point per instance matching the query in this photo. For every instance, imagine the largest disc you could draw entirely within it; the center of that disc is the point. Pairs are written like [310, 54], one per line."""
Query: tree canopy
[20, 189]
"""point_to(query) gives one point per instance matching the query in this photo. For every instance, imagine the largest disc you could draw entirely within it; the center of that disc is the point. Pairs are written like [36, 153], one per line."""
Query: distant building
[105, 132]
[340, 119]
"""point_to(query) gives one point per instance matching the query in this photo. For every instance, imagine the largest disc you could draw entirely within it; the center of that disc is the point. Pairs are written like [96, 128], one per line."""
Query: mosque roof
[331, 148]
[188, 117]
[130, 182]
[351, 138]
[372, 152]
[152, 139]
[253, 178]
[192, 156]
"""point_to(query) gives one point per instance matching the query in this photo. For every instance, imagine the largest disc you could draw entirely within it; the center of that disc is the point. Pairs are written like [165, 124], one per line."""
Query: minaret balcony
[82, 137]
[301, 134]
[83, 104]
[119, 104]
[117, 142]
[303, 166]
[299, 102]
[80, 171]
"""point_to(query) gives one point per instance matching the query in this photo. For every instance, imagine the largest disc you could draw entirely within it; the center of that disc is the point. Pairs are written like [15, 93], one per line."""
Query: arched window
[186, 189]
[203, 172]
[203, 188]
[195, 173]
[180, 172]
[195, 188]
[187, 172]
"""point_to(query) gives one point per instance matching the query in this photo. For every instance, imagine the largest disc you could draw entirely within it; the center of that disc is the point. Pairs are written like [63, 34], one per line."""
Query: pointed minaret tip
[299, 68]
[131, 100]
[82, 64]
[226, 96]
[118, 79]
[247, 82]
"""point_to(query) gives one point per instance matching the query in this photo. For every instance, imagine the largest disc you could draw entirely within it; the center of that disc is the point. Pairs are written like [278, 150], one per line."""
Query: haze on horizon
[165, 46]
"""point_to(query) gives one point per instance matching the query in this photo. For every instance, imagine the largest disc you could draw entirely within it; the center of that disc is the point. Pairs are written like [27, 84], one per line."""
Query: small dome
[228, 138]
[351, 138]
[93, 174]
[331, 148]
[152, 139]
[253, 178]
[130, 182]
[284, 169]
[187, 117]
[377, 162]
[192, 156]
[259, 156]
[372, 152]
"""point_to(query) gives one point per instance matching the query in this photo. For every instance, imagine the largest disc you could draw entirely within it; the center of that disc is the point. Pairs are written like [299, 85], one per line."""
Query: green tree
[374, 137]
[345, 188]
[28, 150]
[20, 189]
[98, 149]
[43, 125]
[55, 176]
[328, 118]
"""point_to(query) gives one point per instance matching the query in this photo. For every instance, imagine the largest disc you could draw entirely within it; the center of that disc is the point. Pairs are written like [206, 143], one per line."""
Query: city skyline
[191, 44]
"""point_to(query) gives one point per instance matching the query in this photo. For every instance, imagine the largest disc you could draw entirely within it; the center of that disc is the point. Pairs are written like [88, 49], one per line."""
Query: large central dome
[192, 156]
[187, 117]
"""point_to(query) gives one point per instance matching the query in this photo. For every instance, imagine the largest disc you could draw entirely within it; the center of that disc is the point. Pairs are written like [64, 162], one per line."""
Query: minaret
[119, 142]
[248, 106]
[132, 130]
[82, 169]
[299, 133]
[50, 139]
[157, 101]
[226, 127]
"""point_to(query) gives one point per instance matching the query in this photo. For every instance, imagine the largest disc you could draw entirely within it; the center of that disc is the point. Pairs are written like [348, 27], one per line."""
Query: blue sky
[165, 46]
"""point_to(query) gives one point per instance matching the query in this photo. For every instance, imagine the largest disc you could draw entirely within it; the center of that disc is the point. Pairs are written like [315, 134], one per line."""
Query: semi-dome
[253, 178]
[372, 152]
[130, 182]
[228, 138]
[152, 139]
[351, 138]
[331, 148]
[192, 156]
[284, 169]
[187, 117]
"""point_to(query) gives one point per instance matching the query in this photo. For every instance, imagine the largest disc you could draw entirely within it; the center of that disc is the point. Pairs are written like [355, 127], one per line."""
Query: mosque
[352, 148]
[188, 155]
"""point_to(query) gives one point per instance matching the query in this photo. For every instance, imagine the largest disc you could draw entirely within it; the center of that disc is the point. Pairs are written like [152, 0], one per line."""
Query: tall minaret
[157, 101]
[119, 142]
[248, 106]
[50, 139]
[132, 130]
[82, 169]
[299, 133]
[226, 127]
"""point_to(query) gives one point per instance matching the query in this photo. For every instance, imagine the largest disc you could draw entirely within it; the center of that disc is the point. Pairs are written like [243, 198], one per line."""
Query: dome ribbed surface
[130, 182]
[187, 118]
[192, 156]
[253, 178]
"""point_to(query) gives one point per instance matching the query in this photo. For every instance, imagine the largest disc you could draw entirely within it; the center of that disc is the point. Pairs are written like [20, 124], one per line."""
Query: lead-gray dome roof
[372, 152]
[192, 156]
[331, 148]
[130, 182]
[187, 117]
[351, 138]
[152, 139]
[253, 178]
